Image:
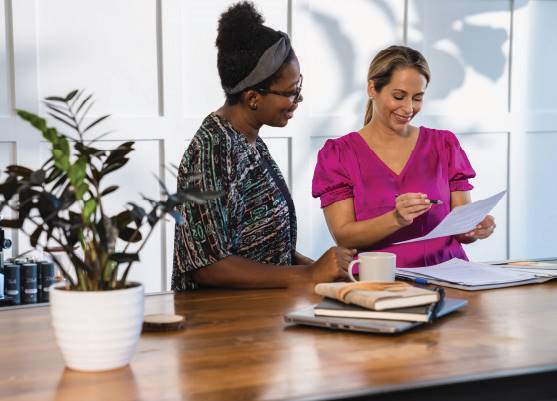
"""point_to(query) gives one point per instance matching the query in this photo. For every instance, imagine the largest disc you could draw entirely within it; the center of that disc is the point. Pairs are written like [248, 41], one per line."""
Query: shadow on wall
[477, 46]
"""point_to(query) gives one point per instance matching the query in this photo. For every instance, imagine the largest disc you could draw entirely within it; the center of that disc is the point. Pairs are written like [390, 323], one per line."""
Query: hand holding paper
[462, 219]
[483, 230]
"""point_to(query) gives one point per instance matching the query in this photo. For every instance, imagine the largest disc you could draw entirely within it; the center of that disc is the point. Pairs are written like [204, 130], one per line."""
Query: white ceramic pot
[97, 330]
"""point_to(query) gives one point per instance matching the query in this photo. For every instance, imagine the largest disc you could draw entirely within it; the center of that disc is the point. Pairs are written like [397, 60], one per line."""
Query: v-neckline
[385, 166]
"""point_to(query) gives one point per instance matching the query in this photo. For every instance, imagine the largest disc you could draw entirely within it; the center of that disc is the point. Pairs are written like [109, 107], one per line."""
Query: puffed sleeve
[460, 170]
[331, 183]
[204, 237]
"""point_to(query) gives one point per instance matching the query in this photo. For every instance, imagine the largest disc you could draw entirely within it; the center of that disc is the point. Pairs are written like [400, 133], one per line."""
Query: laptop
[306, 317]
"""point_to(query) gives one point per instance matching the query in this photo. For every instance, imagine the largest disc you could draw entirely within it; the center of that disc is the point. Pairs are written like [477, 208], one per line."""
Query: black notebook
[331, 307]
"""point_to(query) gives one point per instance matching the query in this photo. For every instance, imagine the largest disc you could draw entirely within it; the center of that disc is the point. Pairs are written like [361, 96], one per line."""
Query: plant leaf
[70, 95]
[19, 171]
[114, 166]
[97, 138]
[35, 236]
[61, 181]
[138, 213]
[51, 135]
[56, 99]
[118, 153]
[9, 188]
[89, 150]
[98, 120]
[69, 124]
[129, 234]
[57, 110]
[83, 103]
[11, 223]
[152, 217]
[109, 190]
[81, 190]
[37, 177]
[122, 219]
[97, 175]
[120, 257]
[89, 209]
[76, 98]
[77, 172]
[85, 112]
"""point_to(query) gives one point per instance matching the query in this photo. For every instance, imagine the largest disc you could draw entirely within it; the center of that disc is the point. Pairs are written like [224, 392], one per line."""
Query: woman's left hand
[482, 230]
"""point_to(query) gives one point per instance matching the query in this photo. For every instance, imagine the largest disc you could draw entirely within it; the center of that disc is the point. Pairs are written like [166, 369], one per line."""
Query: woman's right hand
[332, 265]
[409, 206]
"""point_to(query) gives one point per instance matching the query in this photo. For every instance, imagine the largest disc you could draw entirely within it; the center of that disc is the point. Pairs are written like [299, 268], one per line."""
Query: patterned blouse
[255, 217]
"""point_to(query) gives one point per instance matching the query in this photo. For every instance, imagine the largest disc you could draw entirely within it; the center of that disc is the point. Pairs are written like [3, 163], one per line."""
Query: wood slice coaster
[163, 322]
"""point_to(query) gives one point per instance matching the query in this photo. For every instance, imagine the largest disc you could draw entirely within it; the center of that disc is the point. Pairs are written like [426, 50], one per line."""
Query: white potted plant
[96, 312]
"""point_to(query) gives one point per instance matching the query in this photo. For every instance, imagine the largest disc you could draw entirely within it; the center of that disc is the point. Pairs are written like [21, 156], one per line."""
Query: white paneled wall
[467, 46]
[542, 56]
[5, 91]
[539, 232]
[152, 65]
[7, 157]
[109, 47]
[337, 43]
[488, 153]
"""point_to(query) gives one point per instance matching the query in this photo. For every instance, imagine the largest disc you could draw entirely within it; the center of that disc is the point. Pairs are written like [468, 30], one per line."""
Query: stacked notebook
[330, 307]
[388, 301]
[379, 308]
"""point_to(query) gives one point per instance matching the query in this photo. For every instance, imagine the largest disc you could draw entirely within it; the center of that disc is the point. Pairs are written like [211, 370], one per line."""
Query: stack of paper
[471, 276]
[540, 269]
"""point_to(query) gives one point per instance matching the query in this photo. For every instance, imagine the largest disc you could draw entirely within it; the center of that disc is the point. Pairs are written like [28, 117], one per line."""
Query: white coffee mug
[375, 266]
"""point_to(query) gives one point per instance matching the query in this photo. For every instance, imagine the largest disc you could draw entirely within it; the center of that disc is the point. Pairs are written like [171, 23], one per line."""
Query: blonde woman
[392, 181]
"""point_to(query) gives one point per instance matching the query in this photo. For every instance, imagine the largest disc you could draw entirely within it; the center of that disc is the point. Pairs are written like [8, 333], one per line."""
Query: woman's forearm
[300, 259]
[239, 272]
[366, 233]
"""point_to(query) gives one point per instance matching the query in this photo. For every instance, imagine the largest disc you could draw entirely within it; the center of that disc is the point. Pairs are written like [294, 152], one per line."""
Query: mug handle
[350, 266]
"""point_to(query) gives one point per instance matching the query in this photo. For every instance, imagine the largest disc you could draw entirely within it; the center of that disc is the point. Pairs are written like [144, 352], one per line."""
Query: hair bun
[238, 26]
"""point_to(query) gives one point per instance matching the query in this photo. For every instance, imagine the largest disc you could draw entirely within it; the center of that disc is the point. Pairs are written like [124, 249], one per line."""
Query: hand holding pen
[411, 205]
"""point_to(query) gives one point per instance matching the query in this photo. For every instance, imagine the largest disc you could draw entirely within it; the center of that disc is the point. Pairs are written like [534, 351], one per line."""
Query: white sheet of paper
[460, 271]
[462, 218]
[531, 265]
[537, 272]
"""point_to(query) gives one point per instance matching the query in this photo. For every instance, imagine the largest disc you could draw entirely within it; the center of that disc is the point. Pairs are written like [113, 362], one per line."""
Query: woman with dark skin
[246, 238]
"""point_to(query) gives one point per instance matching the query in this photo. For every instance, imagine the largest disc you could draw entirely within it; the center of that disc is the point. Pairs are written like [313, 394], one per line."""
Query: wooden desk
[236, 347]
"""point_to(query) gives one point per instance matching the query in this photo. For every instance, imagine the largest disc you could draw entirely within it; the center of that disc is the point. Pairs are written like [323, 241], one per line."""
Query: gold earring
[253, 106]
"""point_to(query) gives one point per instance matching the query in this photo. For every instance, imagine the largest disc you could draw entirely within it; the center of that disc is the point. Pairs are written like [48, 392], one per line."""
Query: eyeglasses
[293, 95]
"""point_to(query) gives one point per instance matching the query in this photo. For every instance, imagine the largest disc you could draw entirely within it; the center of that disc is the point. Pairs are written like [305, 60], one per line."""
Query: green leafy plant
[63, 199]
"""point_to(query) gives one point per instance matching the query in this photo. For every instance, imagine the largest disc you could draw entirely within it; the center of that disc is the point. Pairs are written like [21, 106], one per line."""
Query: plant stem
[64, 272]
[125, 275]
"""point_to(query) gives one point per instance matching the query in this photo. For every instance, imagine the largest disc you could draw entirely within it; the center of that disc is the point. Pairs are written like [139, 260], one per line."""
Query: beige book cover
[377, 296]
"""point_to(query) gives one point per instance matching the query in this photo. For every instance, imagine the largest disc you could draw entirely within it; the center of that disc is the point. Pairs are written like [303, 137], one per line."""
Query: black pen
[434, 201]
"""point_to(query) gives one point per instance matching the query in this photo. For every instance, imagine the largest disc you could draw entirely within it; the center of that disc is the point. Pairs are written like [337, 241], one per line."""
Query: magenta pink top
[348, 168]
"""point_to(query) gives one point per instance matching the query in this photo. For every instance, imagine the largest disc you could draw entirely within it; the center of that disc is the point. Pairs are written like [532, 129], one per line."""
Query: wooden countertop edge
[477, 377]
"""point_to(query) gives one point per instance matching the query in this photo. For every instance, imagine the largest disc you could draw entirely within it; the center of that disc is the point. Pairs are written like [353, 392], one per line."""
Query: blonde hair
[386, 62]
